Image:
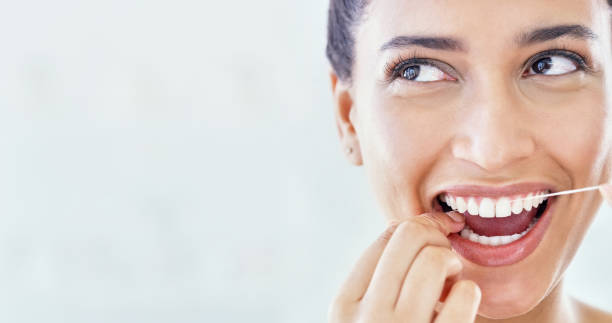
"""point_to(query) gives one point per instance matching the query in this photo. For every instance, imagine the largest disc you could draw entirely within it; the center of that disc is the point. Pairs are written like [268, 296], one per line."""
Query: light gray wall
[177, 161]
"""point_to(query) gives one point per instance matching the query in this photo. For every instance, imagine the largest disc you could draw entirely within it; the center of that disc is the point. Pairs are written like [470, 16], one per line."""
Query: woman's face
[504, 98]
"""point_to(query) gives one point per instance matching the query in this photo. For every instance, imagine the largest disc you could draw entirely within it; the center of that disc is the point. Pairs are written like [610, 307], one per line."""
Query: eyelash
[394, 68]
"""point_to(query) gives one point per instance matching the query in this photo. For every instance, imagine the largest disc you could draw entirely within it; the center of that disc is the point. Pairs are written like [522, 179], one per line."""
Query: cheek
[402, 143]
[575, 133]
[405, 138]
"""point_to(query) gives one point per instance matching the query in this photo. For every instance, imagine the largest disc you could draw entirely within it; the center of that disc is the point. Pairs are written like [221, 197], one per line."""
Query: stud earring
[349, 150]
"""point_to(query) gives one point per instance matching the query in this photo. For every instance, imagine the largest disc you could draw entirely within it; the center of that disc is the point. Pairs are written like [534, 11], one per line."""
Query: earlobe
[346, 118]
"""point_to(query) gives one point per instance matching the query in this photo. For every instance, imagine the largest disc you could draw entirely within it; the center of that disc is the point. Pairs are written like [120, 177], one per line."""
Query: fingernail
[456, 216]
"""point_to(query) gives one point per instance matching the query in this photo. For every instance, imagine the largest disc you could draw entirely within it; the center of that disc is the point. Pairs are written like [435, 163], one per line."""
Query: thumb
[606, 192]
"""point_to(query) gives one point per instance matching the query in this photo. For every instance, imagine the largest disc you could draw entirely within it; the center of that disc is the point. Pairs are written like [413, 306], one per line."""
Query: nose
[495, 128]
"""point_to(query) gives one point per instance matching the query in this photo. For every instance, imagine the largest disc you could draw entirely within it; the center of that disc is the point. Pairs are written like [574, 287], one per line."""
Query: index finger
[358, 280]
[408, 240]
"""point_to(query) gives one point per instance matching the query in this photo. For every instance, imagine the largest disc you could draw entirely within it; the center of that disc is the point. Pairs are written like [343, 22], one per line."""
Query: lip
[508, 254]
[493, 191]
[511, 253]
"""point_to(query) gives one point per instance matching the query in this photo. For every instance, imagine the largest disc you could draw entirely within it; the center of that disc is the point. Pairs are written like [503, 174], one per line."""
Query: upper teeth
[500, 207]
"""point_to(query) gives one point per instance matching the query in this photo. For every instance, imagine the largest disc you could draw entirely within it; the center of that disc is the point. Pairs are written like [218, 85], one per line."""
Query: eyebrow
[554, 32]
[524, 39]
[441, 43]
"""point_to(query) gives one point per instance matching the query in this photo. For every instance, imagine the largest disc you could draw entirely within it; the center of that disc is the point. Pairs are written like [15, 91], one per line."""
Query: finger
[447, 287]
[409, 238]
[606, 192]
[462, 303]
[425, 281]
[358, 280]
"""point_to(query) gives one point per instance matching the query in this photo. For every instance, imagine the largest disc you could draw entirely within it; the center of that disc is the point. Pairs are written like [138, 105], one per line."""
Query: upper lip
[493, 191]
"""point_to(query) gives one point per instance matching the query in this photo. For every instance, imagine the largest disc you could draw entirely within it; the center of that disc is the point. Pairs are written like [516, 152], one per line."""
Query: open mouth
[503, 225]
[496, 221]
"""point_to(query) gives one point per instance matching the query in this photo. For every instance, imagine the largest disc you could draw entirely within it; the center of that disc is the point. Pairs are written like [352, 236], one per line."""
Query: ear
[346, 116]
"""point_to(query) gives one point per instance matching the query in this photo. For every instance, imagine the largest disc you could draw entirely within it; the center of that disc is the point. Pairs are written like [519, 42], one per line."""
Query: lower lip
[508, 254]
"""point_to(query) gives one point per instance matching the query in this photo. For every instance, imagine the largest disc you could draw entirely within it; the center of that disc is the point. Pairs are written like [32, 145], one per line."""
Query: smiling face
[486, 100]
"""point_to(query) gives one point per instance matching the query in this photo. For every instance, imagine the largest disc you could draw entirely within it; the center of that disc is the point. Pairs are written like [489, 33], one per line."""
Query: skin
[487, 124]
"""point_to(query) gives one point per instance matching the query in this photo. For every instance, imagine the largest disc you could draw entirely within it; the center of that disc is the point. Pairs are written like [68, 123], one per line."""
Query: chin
[509, 300]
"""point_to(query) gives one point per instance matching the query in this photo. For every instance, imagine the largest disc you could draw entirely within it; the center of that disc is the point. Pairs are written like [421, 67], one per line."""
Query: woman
[456, 109]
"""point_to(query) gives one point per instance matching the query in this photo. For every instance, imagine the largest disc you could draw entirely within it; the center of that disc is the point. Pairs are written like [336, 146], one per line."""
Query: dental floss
[591, 188]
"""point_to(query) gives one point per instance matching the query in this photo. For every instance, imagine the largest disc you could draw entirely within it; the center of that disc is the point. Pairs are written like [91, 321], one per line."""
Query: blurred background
[177, 161]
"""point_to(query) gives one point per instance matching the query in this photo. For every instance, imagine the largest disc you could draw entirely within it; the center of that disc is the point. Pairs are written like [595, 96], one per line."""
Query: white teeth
[461, 205]
[451, 202]
[541, 198]
[467, 233]
[472, 207]
[487, 208]
[474, 237]
[517, 207]
[528, 202]
[502, 207]
[495, 240]
[536, 201]
[490, 208]
[505, 239]
[484, 239]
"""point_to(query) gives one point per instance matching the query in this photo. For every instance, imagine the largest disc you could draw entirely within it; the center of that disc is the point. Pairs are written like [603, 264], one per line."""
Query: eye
[415, 68]
[552, 65]
[424, 73]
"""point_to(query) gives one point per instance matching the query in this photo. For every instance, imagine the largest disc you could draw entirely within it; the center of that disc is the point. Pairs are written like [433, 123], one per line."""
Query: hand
[606, 192]
[404, 273]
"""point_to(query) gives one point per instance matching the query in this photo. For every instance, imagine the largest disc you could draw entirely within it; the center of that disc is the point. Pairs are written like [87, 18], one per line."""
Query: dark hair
[342, 17]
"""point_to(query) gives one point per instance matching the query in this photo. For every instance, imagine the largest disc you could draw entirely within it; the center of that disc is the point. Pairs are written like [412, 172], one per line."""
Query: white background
[177, 161]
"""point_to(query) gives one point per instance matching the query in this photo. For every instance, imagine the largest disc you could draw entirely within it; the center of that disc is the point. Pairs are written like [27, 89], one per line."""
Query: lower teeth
[467, 233]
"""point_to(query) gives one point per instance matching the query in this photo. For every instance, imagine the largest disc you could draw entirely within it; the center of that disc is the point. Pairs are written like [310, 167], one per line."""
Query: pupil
[411, 72]
[542, 65]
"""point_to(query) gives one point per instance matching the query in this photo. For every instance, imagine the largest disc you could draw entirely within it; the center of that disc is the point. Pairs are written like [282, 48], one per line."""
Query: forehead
[474, 19]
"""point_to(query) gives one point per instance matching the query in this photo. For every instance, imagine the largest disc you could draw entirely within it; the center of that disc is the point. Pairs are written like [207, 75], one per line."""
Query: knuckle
[434, 228]
[431, 222]
[440, 257]
[386, 236]
[420, 231]
[413, 230]
[408, 227]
